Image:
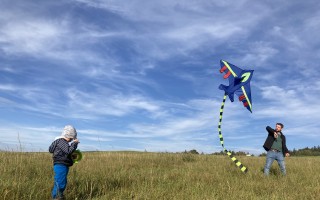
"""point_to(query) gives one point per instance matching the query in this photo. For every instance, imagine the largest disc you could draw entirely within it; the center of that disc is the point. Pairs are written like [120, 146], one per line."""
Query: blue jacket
[62, 151]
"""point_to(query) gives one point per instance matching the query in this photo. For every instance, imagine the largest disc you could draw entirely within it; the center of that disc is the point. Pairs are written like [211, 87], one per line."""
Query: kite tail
[234, 159]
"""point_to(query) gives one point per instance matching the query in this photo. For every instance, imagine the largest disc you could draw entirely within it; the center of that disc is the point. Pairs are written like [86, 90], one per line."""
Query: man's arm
[270, 131]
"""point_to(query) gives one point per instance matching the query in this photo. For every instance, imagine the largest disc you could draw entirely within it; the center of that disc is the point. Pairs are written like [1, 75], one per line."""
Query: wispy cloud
[104, 103]
[147, 78]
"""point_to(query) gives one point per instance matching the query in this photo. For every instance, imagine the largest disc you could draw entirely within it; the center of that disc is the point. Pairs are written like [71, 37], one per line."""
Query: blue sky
[144, 75]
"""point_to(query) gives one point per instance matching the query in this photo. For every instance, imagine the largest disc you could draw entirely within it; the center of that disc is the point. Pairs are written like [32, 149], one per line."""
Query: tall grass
[132, 175]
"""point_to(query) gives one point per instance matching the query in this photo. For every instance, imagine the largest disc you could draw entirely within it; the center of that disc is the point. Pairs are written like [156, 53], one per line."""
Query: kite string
[234, 159]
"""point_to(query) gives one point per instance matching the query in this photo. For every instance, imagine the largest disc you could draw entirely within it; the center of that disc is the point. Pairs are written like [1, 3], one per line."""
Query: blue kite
[239, 84]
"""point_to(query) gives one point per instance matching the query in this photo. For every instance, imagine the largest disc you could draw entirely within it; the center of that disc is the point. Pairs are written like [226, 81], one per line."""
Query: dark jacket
[62, 151]
[270, 139]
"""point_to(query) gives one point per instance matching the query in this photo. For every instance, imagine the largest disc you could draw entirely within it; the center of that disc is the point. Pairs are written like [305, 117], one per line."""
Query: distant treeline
[313, 151]
[239, 153]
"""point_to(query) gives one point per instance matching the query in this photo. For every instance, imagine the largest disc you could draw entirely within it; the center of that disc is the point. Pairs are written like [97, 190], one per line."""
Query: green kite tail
[234, 159]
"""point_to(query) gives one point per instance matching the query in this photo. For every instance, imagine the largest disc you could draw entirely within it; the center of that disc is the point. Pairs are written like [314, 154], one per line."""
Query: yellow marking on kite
[227, 65]
[245, 94]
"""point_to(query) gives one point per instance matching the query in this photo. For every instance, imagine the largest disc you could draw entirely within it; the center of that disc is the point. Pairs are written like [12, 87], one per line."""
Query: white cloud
[8, 88]
[93, 104]
[53, 40]
[28, 35]
[23, 138]
[182, 26]
[298, 109]
[189, 33]
[77, 67]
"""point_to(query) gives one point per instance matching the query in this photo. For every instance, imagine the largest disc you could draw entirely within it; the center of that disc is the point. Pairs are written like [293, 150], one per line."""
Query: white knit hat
[69, 132]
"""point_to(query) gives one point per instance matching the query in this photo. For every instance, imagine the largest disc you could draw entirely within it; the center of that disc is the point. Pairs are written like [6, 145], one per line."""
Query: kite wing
[230, 69]
[244, 95]
[239, 83]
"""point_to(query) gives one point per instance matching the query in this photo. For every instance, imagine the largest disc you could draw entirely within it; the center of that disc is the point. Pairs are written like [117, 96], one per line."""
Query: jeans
[60, 180]
[278, 156]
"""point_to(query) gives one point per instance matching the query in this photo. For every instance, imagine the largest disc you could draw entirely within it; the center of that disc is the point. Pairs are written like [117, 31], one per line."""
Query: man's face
[278, 128]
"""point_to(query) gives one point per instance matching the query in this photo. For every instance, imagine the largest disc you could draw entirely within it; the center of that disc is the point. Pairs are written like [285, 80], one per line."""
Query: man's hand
[275, 134]
[287, 154]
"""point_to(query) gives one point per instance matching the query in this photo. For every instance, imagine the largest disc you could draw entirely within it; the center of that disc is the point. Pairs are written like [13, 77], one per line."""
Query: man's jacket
[270, 139]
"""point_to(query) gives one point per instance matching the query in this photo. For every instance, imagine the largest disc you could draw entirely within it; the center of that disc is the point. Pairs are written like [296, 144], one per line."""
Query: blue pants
[60, 180]
[278, 156]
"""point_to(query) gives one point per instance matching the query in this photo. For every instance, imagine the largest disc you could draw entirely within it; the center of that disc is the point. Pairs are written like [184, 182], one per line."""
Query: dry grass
[132, 175]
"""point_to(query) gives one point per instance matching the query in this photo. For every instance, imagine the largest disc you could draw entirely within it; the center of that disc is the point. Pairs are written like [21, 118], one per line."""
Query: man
[275, 145]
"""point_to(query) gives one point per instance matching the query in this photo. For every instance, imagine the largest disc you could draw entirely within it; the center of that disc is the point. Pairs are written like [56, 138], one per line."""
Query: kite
[76, 156]
[239, 84]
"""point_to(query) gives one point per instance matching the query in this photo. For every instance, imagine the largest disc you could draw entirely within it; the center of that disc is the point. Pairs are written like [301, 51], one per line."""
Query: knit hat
[69, 132]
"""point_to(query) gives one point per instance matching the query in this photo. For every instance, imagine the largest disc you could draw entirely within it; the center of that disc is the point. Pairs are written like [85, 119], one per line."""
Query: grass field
[133, 175]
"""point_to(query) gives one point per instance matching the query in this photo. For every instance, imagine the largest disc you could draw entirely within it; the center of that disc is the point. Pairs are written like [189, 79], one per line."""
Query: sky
[144, 75]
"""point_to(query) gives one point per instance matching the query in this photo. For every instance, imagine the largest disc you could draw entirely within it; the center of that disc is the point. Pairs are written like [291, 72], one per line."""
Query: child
[62, 159]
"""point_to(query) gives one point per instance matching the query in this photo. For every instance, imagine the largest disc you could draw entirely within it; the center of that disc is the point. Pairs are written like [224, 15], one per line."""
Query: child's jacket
[62, 151]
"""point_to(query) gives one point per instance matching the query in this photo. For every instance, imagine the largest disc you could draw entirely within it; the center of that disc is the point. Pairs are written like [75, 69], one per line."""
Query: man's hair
[280, 124]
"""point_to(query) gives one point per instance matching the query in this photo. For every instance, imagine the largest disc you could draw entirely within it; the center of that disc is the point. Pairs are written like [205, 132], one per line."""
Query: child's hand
[76, 141]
